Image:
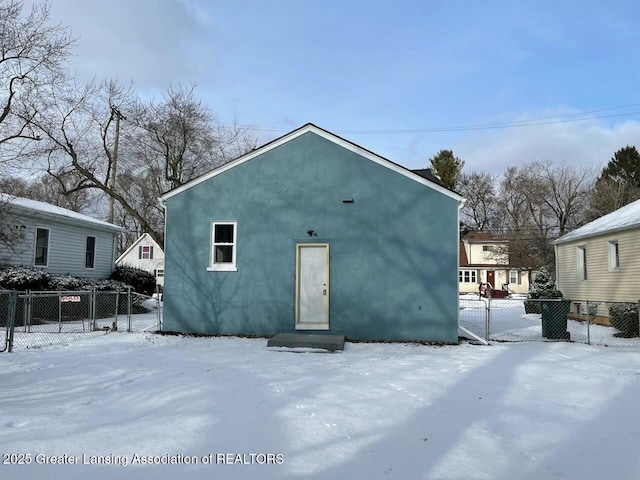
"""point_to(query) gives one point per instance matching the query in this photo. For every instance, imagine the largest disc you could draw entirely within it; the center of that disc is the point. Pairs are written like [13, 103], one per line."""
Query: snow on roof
[48, 209]
[624, 218]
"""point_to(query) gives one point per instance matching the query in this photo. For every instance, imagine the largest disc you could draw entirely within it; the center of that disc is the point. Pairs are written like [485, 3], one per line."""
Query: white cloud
[591, 144]
[151, 43]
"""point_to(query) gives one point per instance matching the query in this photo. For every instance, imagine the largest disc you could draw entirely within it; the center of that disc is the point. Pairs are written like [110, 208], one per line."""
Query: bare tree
[12, 234]
[566, 193]
[537, 203]
[160, 146]
[181, 137]
[32, 59]
[480, 209]
[524, 217]
[48, 189]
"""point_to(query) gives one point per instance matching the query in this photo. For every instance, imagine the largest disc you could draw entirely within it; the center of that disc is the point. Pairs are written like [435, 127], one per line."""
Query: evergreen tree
[447, 168]
[618, 184]
[543, 286]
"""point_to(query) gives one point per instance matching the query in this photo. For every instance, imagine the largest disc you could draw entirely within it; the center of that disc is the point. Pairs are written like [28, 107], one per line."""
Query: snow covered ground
[528, 410]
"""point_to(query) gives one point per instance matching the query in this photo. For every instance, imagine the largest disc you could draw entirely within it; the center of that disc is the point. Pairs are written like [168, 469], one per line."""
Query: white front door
[312, 287]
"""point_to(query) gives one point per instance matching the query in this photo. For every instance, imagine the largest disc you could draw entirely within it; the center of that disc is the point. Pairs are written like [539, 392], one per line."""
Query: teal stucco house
[312, 233]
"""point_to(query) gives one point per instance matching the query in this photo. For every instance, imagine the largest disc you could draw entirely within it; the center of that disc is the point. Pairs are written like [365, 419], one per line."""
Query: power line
[557, 119]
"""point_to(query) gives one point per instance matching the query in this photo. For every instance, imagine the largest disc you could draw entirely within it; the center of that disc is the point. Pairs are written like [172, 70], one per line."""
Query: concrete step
[328, 342]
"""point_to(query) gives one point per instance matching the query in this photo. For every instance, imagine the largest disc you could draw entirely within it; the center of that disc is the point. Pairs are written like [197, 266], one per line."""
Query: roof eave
[69, 220]
[562, 240]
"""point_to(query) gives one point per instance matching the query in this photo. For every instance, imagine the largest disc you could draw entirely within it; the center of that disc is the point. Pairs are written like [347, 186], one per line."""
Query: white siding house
[484, 258]
[600, 261]
[58, 240]
[145, 254]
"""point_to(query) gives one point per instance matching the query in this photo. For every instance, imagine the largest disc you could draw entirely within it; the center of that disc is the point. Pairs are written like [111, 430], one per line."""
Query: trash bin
[554, 319]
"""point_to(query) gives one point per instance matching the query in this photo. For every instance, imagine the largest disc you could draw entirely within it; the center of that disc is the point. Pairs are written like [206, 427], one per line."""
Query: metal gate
[7, 318]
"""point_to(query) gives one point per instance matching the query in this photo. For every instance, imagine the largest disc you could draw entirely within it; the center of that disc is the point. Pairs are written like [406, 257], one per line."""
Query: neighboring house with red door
[484, 258]
[145, 254]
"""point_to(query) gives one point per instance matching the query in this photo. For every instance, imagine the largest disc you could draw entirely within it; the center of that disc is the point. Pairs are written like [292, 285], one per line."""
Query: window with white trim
[42, 247]
[145, 252]
[467, 276]
[581, 262]
[223, 246]
[514, 276]
[488, 248]
[614, 255]
[90, 252]
[159, 272]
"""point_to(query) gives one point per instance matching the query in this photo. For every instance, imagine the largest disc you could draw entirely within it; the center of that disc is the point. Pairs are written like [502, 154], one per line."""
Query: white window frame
[581, 263]
[46, 252]
[226, 266]
[488, 248]
[467, 276]
[614, 255]
[149, 253]
[514, 274]
[160, 272]
[86, 250]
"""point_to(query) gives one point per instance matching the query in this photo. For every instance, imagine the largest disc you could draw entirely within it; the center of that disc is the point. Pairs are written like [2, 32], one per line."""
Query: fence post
[158, 312]
[13, 300]
[588, 323]
[129, 309]
[92, 320]
[488, 319]
[27, 312]
[117, 304]
[59, 315]
[88, 310]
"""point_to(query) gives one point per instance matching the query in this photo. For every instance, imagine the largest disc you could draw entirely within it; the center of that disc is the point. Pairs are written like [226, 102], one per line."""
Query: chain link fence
[521, 319]
[36, 319]
[7, 313]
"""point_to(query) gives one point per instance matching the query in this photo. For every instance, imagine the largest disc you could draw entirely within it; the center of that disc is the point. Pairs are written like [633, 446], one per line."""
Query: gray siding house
[312, 233]
[58, 240]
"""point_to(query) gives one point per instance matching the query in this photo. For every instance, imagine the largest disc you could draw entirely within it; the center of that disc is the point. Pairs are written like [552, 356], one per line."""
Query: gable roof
[53, 211]
[146, 239]
[625, 218]
[310, 127]
[483, 237]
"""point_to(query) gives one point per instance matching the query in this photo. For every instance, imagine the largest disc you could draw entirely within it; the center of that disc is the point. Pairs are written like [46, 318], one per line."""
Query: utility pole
[112, 181]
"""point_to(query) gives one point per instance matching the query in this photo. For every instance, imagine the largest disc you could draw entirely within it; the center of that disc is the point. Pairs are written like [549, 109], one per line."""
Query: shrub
[32, 278]
[140, 280]
[624, 317]
[65, 283]
[541, 287]
[24, 278]
[532, 307]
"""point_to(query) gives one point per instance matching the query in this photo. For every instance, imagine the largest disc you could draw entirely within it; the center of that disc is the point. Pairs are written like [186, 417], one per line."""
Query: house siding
[393, 251]
[67, 243]
[482, 262]
[601, 284]
[131, 258]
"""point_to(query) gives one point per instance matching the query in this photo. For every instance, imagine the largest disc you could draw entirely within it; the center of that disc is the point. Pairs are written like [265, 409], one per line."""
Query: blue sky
[400, 77]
